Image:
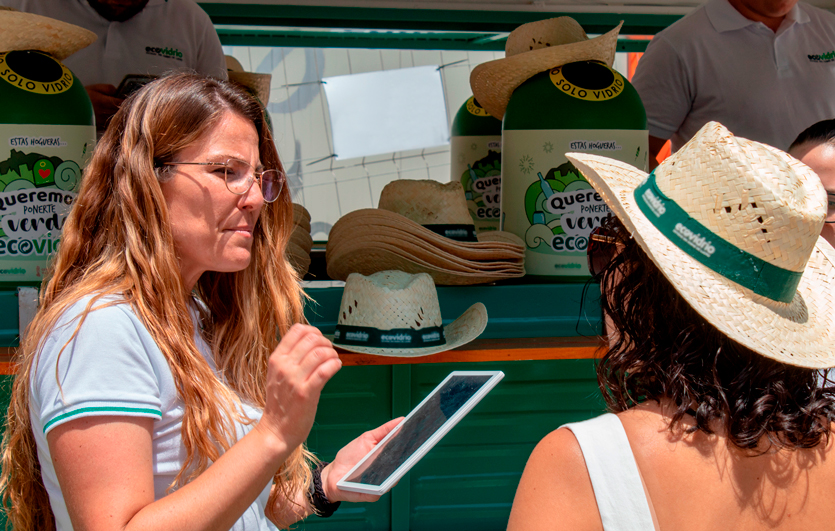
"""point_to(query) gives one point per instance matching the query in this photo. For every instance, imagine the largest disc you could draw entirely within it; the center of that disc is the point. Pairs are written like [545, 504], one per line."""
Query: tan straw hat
[26, 31]
[392, 313]
[734, 225]
[533, 48]
[257, 84]
[422, 226]
[439, 207]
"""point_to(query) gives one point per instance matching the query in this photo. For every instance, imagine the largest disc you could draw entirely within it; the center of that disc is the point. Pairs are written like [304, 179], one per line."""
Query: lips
[245, 228]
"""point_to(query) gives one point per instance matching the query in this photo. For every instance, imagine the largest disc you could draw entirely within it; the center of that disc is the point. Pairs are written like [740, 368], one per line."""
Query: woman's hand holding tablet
[381, 468]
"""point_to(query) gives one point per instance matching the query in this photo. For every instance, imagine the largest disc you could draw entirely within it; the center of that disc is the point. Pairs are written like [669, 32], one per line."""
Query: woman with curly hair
[165, 382]
[719, 299]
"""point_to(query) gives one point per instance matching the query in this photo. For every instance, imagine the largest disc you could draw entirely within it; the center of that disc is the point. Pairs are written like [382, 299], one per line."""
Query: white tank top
[614, 474]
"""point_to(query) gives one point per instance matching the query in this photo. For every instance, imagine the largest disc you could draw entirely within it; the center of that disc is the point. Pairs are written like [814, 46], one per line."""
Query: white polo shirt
[112, 366]
[715, 64]
[166, 35]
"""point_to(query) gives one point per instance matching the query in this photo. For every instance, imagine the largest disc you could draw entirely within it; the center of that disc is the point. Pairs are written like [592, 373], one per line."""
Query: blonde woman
[154, 391]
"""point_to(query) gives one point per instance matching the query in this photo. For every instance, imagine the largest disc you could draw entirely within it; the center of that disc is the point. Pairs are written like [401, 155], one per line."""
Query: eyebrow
[224, 157]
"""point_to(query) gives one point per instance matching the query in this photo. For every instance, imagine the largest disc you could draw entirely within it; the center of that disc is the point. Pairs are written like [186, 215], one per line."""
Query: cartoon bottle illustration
[47, 131]
[475, 151]
[545, 200]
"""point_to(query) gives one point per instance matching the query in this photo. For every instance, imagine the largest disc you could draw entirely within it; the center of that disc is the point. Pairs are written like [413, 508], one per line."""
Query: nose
[253, 199]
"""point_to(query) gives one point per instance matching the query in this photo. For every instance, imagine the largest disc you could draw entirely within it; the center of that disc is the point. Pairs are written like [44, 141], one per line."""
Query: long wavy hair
[662, 349]
[117, 242]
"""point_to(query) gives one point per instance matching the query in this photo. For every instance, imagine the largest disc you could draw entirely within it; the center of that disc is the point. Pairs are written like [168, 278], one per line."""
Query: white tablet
[409, 441]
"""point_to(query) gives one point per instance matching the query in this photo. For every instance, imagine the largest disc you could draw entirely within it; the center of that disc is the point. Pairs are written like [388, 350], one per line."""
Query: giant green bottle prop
[579, 107]
[47, 133]
[476, 160]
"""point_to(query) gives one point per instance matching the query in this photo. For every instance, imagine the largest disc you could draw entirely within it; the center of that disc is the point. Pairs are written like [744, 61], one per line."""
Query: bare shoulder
[555, 483]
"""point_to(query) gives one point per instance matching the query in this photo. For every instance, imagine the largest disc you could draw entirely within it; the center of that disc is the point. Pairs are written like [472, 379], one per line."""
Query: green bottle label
[548, 203]
[40, 172]
[476, 162]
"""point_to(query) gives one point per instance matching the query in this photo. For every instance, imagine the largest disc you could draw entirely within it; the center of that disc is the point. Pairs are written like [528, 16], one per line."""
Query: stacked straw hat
[422, 227]
[257, 84]
[26, 31]
[300, 244]
[533, 48]
[734, 225]
[392, 313]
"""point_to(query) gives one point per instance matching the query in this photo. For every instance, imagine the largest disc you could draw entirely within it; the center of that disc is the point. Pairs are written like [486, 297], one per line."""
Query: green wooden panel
[6, 382]
[8, 318]
[469, 479]
[357, 399]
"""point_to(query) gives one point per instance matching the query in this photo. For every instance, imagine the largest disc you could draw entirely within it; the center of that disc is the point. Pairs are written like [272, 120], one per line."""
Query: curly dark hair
[664, 349]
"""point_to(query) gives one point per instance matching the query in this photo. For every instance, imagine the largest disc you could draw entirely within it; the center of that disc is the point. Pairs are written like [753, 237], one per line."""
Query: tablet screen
[439, 408]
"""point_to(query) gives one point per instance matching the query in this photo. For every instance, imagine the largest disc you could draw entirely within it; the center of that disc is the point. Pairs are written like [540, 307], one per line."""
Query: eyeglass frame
[256, 175]
[603, 236]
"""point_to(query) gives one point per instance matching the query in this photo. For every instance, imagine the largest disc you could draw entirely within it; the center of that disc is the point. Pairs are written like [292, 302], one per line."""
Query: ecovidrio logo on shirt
[170, 53]
[827, 57]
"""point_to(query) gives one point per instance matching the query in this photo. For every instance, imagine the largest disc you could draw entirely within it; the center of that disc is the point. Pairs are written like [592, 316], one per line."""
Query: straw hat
[533, 48]
[300, 244]
[742, 223]
[25, 31]
[392, 313]
[439, 207]
[409, 233]
[258, 84]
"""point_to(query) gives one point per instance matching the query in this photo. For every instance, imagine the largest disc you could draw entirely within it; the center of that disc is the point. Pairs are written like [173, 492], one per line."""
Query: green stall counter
[542, 336]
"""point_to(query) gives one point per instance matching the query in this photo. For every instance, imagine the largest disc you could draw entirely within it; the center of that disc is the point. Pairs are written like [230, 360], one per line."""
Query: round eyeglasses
[239, 176]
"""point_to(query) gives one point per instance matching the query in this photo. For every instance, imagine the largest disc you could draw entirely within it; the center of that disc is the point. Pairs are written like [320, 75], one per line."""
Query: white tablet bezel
[394, 477]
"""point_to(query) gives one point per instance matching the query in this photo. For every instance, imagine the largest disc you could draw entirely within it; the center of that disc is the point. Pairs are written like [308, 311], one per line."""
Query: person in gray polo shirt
[763, 68]
[143, 37]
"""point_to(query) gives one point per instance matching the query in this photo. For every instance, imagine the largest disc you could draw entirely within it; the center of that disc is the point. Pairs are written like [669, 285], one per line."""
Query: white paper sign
[387, 111]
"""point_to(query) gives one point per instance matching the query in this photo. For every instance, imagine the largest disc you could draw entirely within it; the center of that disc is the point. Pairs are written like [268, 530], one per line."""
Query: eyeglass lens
[240, 176]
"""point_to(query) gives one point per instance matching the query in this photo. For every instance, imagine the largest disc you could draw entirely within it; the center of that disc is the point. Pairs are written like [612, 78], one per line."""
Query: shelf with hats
[556, 321]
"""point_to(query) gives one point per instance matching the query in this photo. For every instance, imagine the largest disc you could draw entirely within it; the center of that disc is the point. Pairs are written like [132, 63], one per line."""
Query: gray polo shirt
[167, 35]
[715, 64]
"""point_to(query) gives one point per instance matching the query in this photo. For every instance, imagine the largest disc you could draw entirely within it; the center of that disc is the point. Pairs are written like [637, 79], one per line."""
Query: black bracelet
[316, 495]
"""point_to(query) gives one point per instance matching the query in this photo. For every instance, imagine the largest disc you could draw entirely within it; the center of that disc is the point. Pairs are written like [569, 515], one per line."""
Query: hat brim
[382, 257]
[302, 238]
[461, 331]
[27, 31]
[496, 243]
[798, 333]
[259, 84]
[427, 255]
[493, 82]
[373, 232]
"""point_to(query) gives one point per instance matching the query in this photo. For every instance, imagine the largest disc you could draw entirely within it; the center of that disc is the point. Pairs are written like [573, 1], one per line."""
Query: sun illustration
[474, 146]
[548, 147]
[526, 164]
